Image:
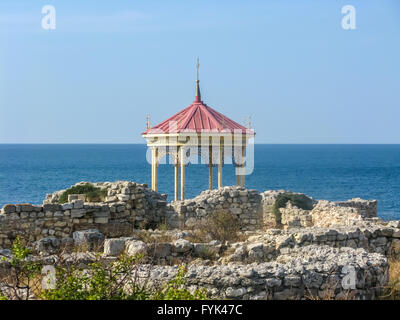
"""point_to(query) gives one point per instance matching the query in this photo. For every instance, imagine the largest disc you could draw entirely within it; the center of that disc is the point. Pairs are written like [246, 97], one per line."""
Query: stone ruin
[307, 255]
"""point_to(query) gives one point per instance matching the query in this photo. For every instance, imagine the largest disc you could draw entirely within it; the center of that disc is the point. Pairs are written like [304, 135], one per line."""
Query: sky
[288, 64]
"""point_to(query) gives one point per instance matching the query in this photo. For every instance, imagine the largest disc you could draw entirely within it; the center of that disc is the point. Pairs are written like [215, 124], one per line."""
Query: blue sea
[331, 172]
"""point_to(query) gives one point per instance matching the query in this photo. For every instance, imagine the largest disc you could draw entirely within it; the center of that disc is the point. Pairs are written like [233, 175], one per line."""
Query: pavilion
[198, 130]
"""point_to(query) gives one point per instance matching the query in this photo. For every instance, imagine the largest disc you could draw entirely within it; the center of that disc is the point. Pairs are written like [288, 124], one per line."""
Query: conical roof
[198, 117]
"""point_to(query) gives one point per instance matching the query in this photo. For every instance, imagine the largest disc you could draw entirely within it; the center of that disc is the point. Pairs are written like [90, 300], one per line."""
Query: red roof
[198, 117]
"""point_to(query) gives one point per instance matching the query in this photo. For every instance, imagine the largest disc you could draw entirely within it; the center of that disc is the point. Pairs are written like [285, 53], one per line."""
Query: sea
[331, 172]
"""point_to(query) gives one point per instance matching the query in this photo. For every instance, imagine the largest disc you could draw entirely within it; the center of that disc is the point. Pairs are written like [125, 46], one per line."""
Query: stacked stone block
[238, 201]
[128, 205]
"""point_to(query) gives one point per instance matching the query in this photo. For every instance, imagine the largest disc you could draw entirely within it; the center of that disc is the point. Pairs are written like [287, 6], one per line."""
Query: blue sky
[287, 64]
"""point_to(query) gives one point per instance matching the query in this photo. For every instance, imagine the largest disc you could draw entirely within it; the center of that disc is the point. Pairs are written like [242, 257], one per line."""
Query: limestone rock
[256, 251]
[134, 247]
[9, 208]
[161, 250]
[114, 247]
[48, 245]
[91, 238]
[182, 246]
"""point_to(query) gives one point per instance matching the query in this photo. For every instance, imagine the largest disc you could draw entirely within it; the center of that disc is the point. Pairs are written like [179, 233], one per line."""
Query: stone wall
[307, 257]
[293, 217]
[367, 208]
[310, 272]
[313, 272]
[373, 237]
[268, 199]
[238, 201]
[128, 205]
[328, 214]
[324, 214]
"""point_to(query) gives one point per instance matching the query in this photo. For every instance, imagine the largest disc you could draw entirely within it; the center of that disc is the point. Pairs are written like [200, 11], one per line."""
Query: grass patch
[221, 225]
[208, 254]
[153, 238]
[392, 289]
[92, 193]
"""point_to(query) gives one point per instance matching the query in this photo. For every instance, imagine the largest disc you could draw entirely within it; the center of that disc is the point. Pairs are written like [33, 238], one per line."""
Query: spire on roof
[148, 126]
[198, 94]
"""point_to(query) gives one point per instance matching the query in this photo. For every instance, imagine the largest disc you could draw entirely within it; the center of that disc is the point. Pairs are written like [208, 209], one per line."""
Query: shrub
[163, 226]
[222, 226]
[299, 200]
[91, 193]
[176, 289]
[21, 281]
[116, 282]
[208, 254]
[99, 282]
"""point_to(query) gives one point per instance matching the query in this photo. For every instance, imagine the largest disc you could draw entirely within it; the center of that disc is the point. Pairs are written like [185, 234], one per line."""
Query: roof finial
[198, 66]
[148, 122]
[198, 95]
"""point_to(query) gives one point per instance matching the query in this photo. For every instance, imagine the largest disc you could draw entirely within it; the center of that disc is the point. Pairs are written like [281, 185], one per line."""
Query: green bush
[299, 200]
[21, 280]
[91, 193]
[116, 282]
[176, 289]
[101, 280]
[98, 282]
[20, 261]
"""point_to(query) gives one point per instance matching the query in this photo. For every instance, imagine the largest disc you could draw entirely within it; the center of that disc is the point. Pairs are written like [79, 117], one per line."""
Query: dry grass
[20, 287]
[153, 238]
[221, 226]
[328, 294]
[271, 225]
[330, 291]
[392, 290]
[208, 254]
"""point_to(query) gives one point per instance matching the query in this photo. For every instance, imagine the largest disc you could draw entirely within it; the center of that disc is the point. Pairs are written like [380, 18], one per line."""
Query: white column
[153, 156]
[182, 163]
[156, 170]
[210, 168]
[243, 157]
[220, 166]
[176, 167]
